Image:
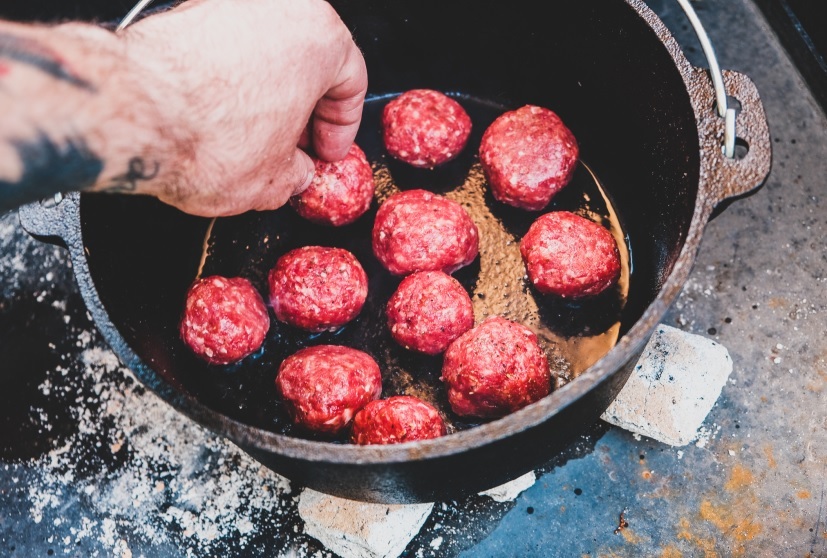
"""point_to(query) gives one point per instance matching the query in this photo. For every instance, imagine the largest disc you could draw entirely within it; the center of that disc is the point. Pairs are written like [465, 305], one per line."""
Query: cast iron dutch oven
[648, 130]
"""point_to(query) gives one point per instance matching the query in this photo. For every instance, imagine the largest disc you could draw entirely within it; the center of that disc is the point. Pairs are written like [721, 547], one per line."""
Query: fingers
[337, 115]
[305, 170]
[268, 189]
[292, 178]
[306, 137]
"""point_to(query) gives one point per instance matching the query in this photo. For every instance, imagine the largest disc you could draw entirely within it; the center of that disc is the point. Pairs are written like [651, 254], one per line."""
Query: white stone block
[673, 387]
[510, 490]
[360, 530]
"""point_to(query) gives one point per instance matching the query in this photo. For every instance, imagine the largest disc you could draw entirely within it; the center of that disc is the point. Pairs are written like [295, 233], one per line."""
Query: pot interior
[597, 64]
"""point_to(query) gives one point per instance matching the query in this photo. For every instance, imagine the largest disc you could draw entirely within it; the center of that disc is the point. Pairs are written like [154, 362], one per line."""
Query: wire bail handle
[724, 111]
[133, 13]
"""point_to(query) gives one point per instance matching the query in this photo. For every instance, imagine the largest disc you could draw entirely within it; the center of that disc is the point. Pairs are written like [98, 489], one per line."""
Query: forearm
[209, 106]
[76, 114]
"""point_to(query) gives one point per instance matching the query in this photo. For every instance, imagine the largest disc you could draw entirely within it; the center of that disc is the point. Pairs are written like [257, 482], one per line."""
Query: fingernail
[308, 180]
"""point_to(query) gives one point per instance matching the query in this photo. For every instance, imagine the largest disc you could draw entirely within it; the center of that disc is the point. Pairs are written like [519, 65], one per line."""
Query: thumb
[302, 173]
[292, 177]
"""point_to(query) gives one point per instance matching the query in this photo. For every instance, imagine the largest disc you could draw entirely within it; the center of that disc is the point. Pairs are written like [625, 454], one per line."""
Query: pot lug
[723, 178]
[53, 220]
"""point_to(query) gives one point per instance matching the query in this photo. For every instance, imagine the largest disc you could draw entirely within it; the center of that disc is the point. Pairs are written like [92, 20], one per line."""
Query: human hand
[239, 88]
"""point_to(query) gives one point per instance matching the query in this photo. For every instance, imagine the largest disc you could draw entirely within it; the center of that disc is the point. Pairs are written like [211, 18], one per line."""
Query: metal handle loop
[133, 13]
[724, 111]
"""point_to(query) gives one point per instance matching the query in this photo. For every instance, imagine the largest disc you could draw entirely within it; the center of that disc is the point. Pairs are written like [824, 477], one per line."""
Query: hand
[239, 86]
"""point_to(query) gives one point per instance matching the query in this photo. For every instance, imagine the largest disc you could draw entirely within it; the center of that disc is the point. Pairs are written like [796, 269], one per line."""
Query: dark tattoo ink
[48, 169]
[32, 53]
[128, 181]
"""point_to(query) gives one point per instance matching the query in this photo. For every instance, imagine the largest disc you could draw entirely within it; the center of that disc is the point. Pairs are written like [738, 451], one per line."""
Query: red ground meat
[428, 311]
[570, 256]
[324, 386]
[495, 369]
[417, 230]
[317, 288]
[425, 128]
[528, 155]
[396, 420]
[224, 319]
[341, 192]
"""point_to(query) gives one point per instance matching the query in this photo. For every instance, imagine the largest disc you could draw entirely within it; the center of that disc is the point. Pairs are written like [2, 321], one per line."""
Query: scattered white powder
[178, 480]
[705, 434]
[14, 263]
[84, 338]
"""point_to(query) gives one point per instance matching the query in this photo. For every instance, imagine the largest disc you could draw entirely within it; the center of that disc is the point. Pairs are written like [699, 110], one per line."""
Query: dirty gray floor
[93, 465]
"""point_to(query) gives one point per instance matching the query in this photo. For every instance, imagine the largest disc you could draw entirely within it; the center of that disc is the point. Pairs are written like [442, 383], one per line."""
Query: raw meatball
[317, 288]
[425, 128]
[340, 193]
[570, 256]
[528, 155]
[416, 230]
[396, 420]
[224, 319]
[324, 386]
[495, 369]
[428, 311]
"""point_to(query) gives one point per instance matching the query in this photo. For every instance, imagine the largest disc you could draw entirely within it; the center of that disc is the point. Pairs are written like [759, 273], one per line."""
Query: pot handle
[53, 220]
[732, 126]
[723, 177]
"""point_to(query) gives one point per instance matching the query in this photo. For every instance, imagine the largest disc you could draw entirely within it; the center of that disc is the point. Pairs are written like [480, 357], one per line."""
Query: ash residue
[446, 532]
[92, 464]
[156, 477]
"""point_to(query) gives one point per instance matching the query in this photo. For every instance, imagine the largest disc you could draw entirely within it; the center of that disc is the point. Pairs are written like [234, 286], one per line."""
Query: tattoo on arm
[128, 181]
[32, 53]
[49, 168]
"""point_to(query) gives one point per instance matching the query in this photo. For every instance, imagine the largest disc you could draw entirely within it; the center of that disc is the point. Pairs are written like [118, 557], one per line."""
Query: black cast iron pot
[646, 123]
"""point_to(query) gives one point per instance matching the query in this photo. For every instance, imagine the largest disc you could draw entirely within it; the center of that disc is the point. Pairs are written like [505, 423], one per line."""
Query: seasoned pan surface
[574, 335]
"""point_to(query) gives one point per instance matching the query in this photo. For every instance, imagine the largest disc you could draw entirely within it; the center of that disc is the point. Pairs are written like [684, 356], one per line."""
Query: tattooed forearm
[27, 51]
[128, 181]
[77, 115]
[49, 168]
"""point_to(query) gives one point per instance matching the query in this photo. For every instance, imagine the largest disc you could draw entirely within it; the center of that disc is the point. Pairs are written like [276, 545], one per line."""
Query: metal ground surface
[93, 465]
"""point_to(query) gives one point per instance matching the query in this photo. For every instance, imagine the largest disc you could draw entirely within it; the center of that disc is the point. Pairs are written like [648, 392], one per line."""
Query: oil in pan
[575, 334]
